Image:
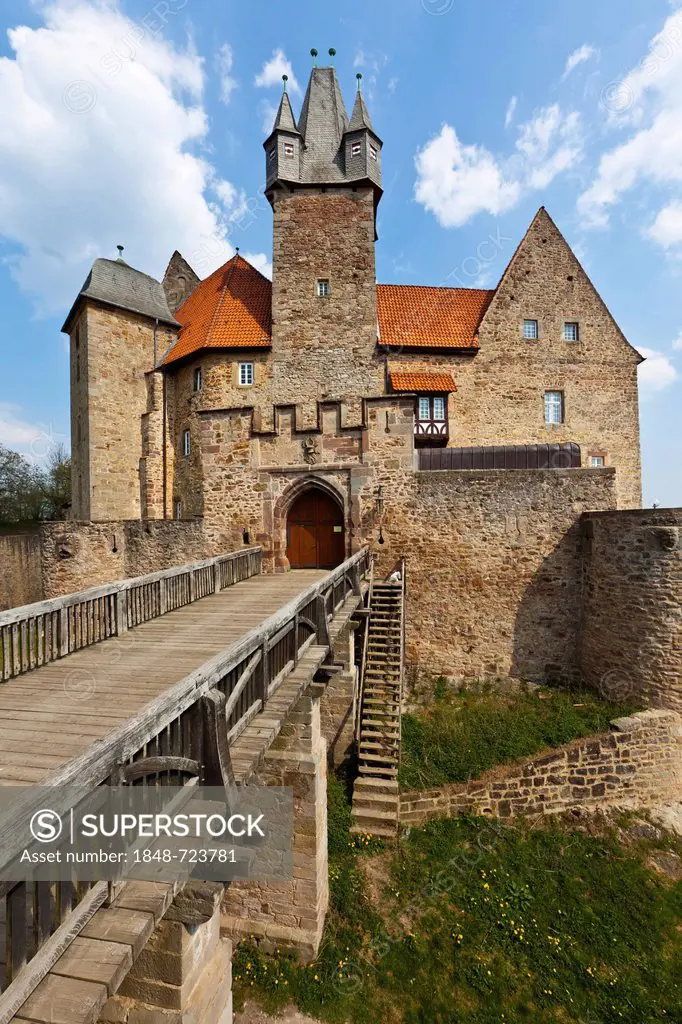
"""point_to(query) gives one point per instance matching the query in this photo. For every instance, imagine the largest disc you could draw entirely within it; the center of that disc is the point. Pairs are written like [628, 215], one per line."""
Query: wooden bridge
[186, 672]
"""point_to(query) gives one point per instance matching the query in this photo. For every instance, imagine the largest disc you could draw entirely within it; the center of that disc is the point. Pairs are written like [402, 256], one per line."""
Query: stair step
[367, 786]
[381, 831]
[384, 747]
[383, 817]
[375, 769]
[376, 723]
[378, 758]
[370, 734]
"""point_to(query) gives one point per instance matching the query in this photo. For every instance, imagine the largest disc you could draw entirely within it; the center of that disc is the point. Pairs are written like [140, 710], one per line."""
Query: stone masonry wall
[75, 556]
[637, 764]
[631, 643]
[20, 576]
[494, 567]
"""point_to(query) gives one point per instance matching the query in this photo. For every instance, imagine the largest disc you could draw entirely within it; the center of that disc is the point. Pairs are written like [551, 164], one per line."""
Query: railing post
[63, 631]
[192, 587]
[216, 576]
[162, 596]
[264, 674]
[321, 621]
[121, 611]
[296, 639]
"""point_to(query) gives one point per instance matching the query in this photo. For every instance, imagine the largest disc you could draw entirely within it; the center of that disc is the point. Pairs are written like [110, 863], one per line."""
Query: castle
[314, 414]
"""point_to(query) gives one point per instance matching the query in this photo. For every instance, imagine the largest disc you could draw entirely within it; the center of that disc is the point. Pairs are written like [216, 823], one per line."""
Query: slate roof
[408, 381]
[360, 117]
[230, 309]
[115, 283]
[418, 316]
[285, 120]
[322, 123]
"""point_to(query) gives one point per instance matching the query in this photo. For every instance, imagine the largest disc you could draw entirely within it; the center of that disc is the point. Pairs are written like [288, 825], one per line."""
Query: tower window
[597, 461]
[530, 330]
[196, 379]
[289, 149]
[273, 153]
[356, 149]
[571, 331]
[178, 510]
[186, 443]
[372, 152]
[245, 374]
[554, 407]
[323, 288]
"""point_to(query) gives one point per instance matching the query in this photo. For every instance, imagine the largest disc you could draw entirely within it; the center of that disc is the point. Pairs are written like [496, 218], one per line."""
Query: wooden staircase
[378, 712]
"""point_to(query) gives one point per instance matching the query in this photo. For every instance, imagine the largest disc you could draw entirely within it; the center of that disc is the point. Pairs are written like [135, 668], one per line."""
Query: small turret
[362, 144]
[283, 145]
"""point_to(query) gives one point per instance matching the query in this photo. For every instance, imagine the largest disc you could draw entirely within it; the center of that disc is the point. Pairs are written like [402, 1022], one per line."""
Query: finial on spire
[313, 54]
[120, 251]
[332, 52]
[285, 79]
[236, 249]
[359, 78]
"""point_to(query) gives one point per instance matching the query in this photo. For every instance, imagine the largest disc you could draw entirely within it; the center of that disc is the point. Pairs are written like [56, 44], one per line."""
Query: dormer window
[289, 150]
[372, 152]
[356, 149]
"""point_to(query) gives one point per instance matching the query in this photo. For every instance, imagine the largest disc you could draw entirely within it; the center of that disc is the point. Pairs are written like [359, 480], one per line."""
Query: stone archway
[315, 531]
[286, 502]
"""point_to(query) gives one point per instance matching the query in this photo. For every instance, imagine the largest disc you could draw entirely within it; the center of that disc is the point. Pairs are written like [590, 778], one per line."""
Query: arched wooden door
[315, 534]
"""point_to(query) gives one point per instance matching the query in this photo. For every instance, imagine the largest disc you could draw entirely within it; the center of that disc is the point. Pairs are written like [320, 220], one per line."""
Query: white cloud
[100, 118]
[511, 111]
[260, 262]
[648, 101]
[273, 70]
[393, 83]
[225, 62]
[579, 56]
[677, 344]
[456, 181]
[657, 373]
[268, 113]
[34, 440]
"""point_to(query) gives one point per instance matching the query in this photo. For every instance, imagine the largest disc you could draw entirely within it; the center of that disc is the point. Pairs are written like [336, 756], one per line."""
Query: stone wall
[637, 764]
[631, 644]
[20, 576]
[494, 561]
[75, 556]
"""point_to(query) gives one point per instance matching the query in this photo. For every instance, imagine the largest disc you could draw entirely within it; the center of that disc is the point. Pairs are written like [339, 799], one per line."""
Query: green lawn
[459, 737]
[470, 921]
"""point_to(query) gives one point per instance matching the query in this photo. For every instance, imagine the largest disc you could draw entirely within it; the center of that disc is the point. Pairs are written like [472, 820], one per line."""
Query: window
[245, 374]
[530, 330]
[273, 153]
[372, 152]
[178, 510]
[289, 149]
[597, 461]
[356, 149]
[554, 407]
[196, 379]
[424, 409]
[323, 288]
[186, 443]
[439, 408]
[571, 331]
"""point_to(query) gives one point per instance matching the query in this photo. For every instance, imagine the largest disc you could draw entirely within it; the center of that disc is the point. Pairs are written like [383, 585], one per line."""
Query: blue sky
[141, 123]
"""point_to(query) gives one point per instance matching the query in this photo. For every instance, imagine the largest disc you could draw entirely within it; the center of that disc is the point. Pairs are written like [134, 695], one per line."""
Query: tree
[30, 492]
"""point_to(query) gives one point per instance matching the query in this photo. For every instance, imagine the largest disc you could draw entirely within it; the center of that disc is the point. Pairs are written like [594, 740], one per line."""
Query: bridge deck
[54, 713]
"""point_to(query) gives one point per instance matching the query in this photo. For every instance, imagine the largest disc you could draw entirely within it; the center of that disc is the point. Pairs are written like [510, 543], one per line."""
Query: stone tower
[120, 326]
[323, 180]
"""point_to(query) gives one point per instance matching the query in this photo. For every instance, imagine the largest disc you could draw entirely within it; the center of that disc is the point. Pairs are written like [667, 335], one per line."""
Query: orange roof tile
[230, 309]
[417, 316]
[418, 381]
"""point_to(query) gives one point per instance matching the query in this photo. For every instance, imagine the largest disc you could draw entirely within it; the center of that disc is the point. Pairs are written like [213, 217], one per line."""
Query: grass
[467, 920]
[459, 737]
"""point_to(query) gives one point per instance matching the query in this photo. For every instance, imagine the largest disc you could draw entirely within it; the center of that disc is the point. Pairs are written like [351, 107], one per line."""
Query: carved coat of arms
[311, 450]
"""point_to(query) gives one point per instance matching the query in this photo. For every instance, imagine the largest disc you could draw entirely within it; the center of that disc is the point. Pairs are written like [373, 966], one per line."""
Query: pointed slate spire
[360, 117]
[285, 120]
[322, 124]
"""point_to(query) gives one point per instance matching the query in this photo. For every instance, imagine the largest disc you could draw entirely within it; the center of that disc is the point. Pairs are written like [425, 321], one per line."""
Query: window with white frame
[424, 409]
[323, 288]
[186, 443]
[571, 331]
[554, 407]
[372, 152]
[356, 149]
[289, 149]
[245, 374]
[178, 510]
[597, 461]
[530, 330]
[439, 408]
[196, 379]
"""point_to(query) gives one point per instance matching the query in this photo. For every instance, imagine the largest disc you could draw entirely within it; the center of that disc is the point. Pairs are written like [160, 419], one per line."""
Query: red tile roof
[418, 381]
[230, 309]
[417, 316]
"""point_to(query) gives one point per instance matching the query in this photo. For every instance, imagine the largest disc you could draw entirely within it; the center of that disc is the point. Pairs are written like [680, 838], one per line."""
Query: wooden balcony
[430, 432]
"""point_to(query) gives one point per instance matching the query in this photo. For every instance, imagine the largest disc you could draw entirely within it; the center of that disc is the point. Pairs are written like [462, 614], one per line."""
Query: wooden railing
[360, 678]
[37, 634]
[187, 730]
